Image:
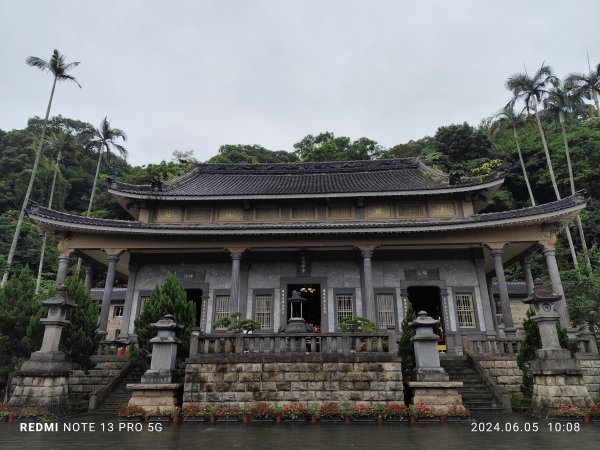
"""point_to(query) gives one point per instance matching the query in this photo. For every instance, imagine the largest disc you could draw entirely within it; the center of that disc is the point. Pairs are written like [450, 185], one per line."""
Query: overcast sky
[193, 75]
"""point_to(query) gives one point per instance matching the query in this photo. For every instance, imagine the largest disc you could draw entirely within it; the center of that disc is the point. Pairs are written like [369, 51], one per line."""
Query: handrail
[493, 346]
[287, 343]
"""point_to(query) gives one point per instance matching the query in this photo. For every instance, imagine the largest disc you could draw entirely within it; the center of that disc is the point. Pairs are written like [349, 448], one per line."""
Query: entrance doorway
[311, 309]
[195, 296]
[428, 299]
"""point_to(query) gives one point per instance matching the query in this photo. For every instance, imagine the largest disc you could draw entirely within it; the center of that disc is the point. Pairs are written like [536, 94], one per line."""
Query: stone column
[367, 294]
[63, 267]
[126, 321]
[503, 290]
[113, 258]
[236, 258]
[557, 287]
[89, 277]
[528, 275]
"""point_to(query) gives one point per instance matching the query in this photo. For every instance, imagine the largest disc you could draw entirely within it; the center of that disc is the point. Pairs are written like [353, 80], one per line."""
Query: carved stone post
[236, 258]
[367, 295]
[89, 277]
[509, 327]
[113, 259]
[550, 255]
[528, 274]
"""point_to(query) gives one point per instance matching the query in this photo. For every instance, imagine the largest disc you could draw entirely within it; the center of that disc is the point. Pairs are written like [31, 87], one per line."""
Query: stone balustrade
[293, 343]
[490, 346]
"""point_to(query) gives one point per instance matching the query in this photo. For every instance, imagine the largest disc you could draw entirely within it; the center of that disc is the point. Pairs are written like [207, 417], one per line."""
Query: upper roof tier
[405, 176]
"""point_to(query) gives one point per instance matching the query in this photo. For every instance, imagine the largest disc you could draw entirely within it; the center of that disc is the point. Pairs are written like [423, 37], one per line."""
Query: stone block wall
[83, 383]
[233, 383]
[591, 374]
[504, 373]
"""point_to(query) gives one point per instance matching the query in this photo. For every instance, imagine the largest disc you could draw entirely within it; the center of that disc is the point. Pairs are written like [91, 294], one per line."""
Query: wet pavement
[503, 431]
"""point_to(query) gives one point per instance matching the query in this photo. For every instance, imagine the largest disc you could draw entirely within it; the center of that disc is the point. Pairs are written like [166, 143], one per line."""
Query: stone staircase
[476, 395]
[119, 395]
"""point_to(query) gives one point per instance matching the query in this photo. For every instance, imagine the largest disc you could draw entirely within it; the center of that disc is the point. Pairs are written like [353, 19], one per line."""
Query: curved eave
[560, 217]
[493, 185]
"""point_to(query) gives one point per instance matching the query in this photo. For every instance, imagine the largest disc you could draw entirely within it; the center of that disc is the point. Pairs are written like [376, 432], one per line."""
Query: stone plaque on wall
[267, 213]
[411, 210]
[340, 212]
[168, 215]
[198, 215]
[303, 212]
[422, 273]
[230, 214]
[379, 211]
[442, 209]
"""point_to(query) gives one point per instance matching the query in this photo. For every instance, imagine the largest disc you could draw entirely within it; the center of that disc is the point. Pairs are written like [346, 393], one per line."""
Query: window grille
[385, 310]
[344, 306]
[143, 301]
[118, 311]
[221, 308]
[263, 310]
[464, 307]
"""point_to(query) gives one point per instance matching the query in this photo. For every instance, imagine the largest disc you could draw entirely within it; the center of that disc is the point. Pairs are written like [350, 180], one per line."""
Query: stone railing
[112, 349]
[490, 346]
[294, 343]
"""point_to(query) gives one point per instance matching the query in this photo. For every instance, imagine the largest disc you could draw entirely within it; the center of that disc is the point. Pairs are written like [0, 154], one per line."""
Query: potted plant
[3, 413]
[194, 413]
[426, 412]
[228, 414]
[295, 411]
[363, 413]
[212, 413]
[131, 413]
[262, 412]
[313, 413]
[330, 412]
[566, 413]
[594, 412]
[519, 403]
[159, 415]
[245, 410]
[412, 413]
[346, 412]
[173, 412]
[457, 413]
[395, 412]
[378, 409]
[278, 411]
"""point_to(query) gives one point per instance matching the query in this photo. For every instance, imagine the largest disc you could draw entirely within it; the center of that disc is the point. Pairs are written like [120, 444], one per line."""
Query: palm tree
[588, 84]
[508, 119]
[531, 90]
[562, 99]
[59, 69]
[58, 142]
[105, 137]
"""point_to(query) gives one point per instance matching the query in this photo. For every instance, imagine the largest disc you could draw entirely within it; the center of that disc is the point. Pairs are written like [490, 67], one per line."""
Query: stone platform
[439, 394]
[154, 396]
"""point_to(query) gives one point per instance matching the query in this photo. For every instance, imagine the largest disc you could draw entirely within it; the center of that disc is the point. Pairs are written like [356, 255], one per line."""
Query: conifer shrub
[167, 298]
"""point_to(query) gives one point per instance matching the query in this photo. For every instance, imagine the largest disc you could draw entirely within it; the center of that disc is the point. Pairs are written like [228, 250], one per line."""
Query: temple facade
[363, 238]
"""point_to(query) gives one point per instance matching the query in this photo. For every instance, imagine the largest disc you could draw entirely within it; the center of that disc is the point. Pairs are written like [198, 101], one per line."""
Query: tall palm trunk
[89, 210]
[38, 154]
[43, 251]
[552, 177]
[561, 119]
[523, 166]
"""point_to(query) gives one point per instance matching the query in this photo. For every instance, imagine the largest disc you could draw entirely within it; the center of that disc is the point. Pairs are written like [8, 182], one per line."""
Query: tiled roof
[340, 177]
[56, 219]
[516, 288]
[118, 294]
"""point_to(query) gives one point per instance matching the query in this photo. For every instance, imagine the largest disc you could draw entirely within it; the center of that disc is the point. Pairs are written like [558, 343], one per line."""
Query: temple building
[362, 238]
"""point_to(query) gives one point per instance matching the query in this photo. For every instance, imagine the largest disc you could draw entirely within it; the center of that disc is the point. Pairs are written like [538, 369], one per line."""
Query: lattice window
[344, 306]
[385, 310]
[466, 313]
[263, 310]
[118, 311]
[221, 308]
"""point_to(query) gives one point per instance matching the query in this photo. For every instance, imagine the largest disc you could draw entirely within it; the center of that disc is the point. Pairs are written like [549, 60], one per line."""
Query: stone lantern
[42, 381]
[544, 301]
[49, 358]
[557, 377]
[164, 351]
[427, 357]
[296, 322]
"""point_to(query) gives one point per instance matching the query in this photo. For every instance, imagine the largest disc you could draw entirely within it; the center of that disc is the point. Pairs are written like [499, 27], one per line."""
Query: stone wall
[234, 382]
[83, 383]
[591, 374]
[504, 373]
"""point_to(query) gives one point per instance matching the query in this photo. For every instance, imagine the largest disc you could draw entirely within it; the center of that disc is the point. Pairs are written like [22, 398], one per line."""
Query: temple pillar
[236, 258]
[367, 294]
[63, 268]
[113, 258]
[509, 327]
[89, 278]
[528, 274]
[126, 329]
[557, 288]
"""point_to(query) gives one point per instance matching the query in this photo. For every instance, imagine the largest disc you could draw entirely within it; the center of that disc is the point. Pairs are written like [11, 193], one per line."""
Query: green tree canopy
[167, 298]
